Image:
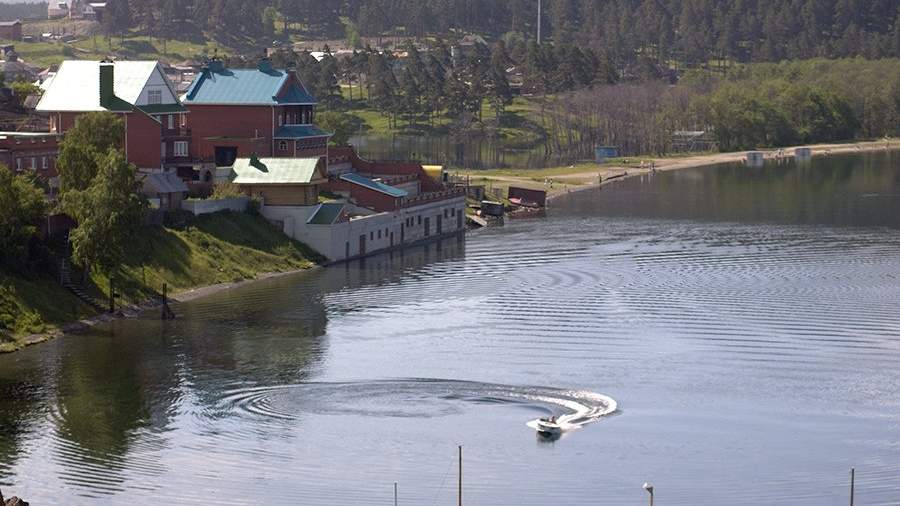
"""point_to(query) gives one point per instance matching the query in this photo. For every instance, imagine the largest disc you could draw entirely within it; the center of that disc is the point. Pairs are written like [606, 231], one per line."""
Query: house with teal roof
[261, 111]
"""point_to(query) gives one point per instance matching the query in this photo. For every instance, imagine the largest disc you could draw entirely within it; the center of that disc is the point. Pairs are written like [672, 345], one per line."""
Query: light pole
[649, 488]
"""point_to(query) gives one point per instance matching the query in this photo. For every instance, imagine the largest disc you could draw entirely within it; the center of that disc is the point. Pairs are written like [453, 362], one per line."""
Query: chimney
[107, 83]
[264, 65]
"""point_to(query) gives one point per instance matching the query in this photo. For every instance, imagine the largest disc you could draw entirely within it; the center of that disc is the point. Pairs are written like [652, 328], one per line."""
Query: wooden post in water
[460, 475]
[852, 484]
[395, 493]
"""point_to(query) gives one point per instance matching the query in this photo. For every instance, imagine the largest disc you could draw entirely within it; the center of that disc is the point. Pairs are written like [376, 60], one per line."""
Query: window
[379, 233]
[280, 120]
[33, 162]
[420, 219]
[44, 164]
[371, 236]
[154, 97]
[171, 122]
[282, 145]
[453, 212]
[180, 148]
[19, 164]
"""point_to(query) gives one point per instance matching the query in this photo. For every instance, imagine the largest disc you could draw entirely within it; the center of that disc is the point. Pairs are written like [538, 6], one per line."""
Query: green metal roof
[275, 170]
[76, 86]
[300, 132]
[352, 177]
[326, 214]
[244, 87]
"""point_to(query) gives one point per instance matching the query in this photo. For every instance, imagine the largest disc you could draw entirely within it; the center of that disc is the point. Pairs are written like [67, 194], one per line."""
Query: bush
[227, 191]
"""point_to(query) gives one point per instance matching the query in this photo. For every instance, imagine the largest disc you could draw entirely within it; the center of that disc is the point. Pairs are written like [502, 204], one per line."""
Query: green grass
[518, 125]
[213, 249]
[219, 248]
[48, 53]
[33, 306]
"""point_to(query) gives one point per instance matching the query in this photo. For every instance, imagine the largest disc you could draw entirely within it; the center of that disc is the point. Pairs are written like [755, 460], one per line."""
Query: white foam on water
[585, 408]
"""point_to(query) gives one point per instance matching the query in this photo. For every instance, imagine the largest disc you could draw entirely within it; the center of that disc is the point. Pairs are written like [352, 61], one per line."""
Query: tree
[341, 125]
[117, 18]
[93, 135]
[22, 207]
[108, 212]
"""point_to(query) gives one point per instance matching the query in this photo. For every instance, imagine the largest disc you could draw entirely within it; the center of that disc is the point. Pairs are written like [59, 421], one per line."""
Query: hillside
[213, 249]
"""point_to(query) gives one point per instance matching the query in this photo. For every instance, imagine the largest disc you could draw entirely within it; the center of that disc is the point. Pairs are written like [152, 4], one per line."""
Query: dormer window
[282, 145]
[154, 97]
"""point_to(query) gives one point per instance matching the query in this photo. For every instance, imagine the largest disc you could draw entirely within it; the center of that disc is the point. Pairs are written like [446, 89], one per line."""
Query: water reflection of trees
[113, 395]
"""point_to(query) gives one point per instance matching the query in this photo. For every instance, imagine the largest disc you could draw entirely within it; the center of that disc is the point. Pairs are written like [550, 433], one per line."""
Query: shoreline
[690, 162]
[134, 310]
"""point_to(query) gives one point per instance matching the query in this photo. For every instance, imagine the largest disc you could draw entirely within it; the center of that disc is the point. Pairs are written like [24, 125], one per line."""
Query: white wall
[209, 206]
[157, 82]
[342, 240]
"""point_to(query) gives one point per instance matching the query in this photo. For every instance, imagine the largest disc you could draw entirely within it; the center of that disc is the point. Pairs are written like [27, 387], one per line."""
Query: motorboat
[548, 426]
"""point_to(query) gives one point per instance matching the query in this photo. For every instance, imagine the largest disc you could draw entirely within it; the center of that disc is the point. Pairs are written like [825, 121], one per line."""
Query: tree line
[627, 32]
[759, 105]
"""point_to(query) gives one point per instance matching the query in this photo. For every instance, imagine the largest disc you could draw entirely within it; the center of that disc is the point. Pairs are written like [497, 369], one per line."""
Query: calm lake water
[747, 322]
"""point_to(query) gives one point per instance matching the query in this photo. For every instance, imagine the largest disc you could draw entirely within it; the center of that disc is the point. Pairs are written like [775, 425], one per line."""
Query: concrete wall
[209, 206]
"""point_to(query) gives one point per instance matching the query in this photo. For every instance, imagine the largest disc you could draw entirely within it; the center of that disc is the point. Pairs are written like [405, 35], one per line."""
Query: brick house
[30, 151]
[156, 133]
[275, 113]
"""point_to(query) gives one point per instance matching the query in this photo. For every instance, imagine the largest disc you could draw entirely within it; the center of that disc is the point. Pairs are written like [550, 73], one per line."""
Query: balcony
[178, 133]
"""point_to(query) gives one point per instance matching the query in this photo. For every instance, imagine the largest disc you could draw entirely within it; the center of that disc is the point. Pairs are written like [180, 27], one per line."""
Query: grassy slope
[29, 306]
[218, 248]
[519, 124]
[224, 247]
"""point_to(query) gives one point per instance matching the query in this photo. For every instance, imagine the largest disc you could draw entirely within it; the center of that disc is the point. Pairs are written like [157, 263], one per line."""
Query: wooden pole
[852, 484]
[395, 493]
[460, 475]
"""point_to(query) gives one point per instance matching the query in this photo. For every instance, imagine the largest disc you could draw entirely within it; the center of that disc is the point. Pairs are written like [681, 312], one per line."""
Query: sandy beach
[559, 181]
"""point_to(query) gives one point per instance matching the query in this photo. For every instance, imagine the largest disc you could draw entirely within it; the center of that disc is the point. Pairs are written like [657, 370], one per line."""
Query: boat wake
[418, 398]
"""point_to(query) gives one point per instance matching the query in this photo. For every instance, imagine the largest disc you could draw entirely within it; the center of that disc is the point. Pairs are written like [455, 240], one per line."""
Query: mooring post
[852, 484]
[395, 493]
[460, 475]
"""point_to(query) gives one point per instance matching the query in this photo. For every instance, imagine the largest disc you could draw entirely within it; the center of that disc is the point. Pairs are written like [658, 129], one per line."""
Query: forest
[669, 32]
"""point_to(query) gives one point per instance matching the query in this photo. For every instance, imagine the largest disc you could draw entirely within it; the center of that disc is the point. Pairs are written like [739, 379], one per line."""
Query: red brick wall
[239, 123]
[143, 141]
[364, 196]
[25, 149]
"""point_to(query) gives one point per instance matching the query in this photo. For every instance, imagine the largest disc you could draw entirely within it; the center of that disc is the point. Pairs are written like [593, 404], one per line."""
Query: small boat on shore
[548, 426]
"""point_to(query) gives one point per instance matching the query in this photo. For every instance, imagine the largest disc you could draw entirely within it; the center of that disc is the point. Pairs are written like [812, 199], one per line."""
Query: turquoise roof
[300, 132]
[244, 87]
[352, 177]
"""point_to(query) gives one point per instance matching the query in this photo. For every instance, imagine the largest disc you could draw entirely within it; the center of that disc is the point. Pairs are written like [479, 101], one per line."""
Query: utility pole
[460, 475]
[539, 23]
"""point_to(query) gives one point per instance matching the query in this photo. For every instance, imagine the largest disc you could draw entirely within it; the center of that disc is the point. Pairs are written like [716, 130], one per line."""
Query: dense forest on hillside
[13, 11]
[683, 32]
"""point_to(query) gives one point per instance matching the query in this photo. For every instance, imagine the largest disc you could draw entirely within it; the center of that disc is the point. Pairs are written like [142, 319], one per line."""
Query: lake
[746, 322]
